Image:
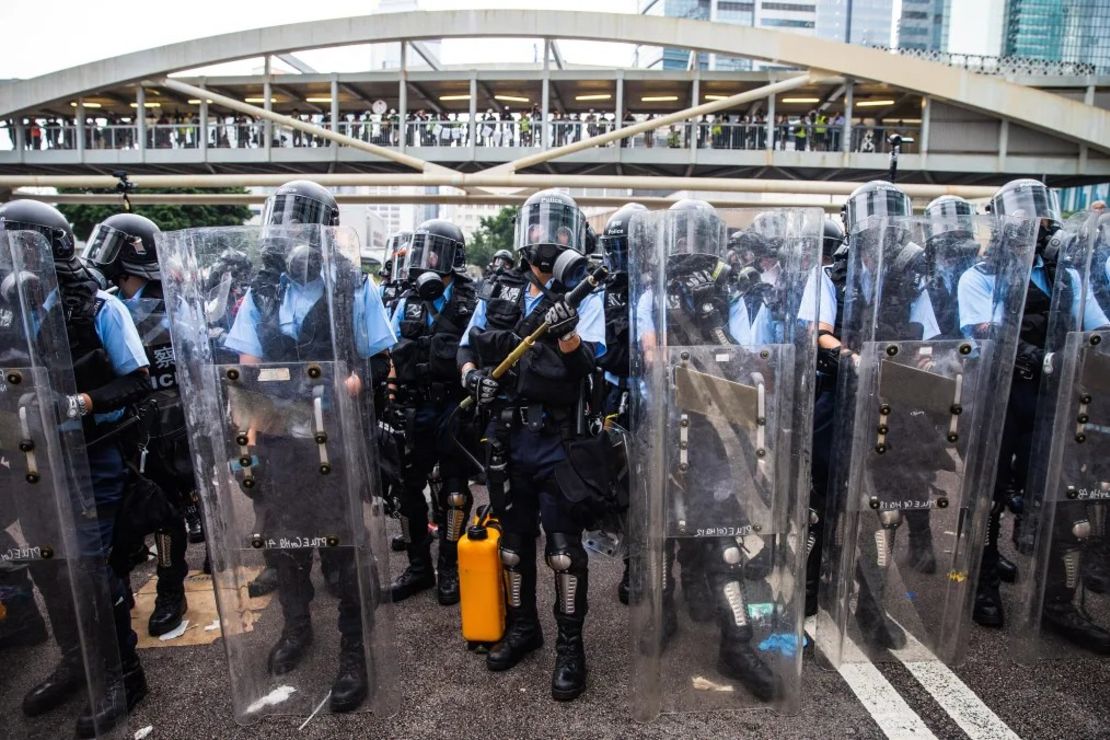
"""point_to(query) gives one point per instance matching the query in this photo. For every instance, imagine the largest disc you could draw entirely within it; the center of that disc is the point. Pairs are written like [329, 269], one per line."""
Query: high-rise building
[1075, 31]
[796, 15]
[923, 25]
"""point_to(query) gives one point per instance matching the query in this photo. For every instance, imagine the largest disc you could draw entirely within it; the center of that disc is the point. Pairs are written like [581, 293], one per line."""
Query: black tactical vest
[616, 357]
[427, 353]
[541, 374]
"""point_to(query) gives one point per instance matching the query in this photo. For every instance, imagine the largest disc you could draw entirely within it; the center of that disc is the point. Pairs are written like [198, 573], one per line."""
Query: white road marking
[961, 703]
[881, 700]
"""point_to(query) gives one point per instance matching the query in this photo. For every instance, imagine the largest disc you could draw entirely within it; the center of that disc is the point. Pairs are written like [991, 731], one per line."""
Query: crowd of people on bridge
[813, 131]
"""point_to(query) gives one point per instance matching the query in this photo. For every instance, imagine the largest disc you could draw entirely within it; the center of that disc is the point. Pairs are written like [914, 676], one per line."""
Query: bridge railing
[785, 135]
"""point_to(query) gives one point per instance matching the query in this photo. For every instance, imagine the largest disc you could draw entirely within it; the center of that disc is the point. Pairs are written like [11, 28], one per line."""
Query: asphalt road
[446, 691]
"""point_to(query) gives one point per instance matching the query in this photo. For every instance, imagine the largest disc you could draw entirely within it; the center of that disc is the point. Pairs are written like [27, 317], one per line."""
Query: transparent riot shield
[929, 329]
[55, 596]
[722, 397]
[277, 391]
[1065, 565]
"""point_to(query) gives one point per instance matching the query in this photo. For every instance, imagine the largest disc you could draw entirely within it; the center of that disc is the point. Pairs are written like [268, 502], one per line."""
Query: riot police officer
[906, 313]
[533, 416]
[110, 369]
[502, 260]
[424, 391]
[820, 304]
[285, 317]
[1032, 199]
[123, 248]
[615, 362]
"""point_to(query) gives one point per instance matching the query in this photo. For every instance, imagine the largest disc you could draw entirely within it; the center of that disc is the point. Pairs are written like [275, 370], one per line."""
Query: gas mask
[302, 264]
[429, 286]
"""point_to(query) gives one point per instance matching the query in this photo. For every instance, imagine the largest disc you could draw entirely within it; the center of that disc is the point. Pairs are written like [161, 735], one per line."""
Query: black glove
[1029, 360]
[562, 319]
[481, 386]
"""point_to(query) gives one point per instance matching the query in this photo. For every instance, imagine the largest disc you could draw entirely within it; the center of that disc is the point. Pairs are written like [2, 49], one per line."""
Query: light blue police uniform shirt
[591, 318]
[977, 306]
[437, 304]
[818, 283]
[373, 333]
[116, 331]
[739, 326]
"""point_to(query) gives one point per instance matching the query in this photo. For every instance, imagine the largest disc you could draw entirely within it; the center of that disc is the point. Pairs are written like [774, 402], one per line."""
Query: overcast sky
[43, 37]
[65, 33]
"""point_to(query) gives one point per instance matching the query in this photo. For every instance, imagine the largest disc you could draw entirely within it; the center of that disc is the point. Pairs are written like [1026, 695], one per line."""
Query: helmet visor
[949, 217]
[290, 209]
[398, 245]
[1029, 200]
[552, 222]
[697, 232]
[60, 241]
[431, 252]
[105, 245]
[881, 203]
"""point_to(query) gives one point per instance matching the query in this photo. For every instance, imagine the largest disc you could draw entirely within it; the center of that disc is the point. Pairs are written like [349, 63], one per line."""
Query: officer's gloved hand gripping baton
[573, 298]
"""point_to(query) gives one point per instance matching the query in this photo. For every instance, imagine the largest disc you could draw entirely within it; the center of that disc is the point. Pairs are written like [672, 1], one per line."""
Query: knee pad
[889, 521]
[567, 557]
[458, 505]
[724, 556]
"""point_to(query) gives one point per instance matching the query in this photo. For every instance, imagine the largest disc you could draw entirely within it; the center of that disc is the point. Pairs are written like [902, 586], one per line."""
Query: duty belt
[539, 417]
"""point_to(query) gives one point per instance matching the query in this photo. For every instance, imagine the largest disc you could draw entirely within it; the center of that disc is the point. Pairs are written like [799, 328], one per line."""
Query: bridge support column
[926, 107]
[79, 129]
[203, 125]
[335, 108]
[403, 100]
[770, 122]
[267, 104]
[472, 124]
[1003, 143]
[545, 97]
[140, 119]
[618, 111]
[846, 136]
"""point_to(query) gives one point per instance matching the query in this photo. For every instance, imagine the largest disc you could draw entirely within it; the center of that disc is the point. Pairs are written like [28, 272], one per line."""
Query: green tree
[493, 233]
[168, 217]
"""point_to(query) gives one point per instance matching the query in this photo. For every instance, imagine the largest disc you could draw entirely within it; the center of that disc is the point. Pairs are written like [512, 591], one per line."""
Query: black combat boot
[695, 589]
[264, 583]
[568, 559]
[350, 686]
[523, 633]
[921, 556]
[418, 576]
[169, 610]
[878, 630]
[1064, 619]
[1007, 569]
[622, 587]
[65, 680]
[398, 543]
[988, 601]
[290, 648]
[736, 659]
[447, 575]
[118, 700]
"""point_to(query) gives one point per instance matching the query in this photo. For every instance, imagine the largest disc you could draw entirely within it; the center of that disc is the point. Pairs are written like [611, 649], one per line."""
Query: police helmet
[875, 199]
[437, 246]
[124, 244]
[949, 216]
[614, 240]
[502, 259]
[696, 228]
[549, 224]
[833, 237]
[31, 215]
[300, 202]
